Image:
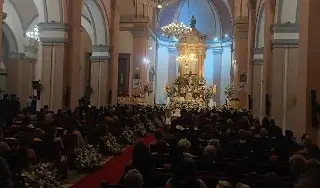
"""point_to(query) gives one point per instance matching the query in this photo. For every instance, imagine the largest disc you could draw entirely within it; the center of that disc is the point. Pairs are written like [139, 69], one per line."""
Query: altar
[189, 89]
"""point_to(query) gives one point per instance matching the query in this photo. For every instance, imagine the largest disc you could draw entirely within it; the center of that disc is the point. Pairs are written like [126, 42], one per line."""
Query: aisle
[112, 171]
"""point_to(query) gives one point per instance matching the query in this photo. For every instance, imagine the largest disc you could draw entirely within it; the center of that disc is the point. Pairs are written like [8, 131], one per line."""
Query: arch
[287, 11]
[13, 25]
[259, 38]
[51, 10]
[220, 11]
[93, 15]
[10, 37]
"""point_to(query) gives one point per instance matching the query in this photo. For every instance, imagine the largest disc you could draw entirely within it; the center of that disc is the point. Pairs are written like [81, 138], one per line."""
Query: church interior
[106, 78]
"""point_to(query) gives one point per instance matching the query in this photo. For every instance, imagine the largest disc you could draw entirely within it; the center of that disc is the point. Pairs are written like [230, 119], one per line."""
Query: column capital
[172, 50]
[285, 35]
[258, 54]
[100, 53]
[217, 51]
[16, 56]
[53, 33]
[31, 53]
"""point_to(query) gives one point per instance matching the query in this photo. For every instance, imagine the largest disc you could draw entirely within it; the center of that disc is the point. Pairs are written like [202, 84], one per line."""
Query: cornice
[132, 19]
[52, 26]
[100, 48]
[285, 28]
[16, 55]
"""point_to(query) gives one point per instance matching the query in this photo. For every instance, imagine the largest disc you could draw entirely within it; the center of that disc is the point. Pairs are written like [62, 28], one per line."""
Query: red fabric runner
[112, 171]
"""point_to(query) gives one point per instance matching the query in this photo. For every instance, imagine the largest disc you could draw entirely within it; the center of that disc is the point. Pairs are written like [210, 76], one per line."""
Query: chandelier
[34, 34]
[187, 60]
[175, 30]
[156, 3]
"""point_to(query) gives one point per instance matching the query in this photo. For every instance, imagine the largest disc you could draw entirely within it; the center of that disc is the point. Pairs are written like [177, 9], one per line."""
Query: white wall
[225, 72]
[209, 67]
[14, 23]
[287, 11]
[162, 74]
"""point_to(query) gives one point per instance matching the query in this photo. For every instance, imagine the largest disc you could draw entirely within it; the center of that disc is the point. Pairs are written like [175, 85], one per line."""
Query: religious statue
[193, 22]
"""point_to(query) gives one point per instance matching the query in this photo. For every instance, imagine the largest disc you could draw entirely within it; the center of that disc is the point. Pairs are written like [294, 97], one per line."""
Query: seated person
[142, 161]
[133, 179]
[233, 178]
[183, 146]
[71, 130]
[25, 143]
[37, 135]
[185, 176]
[3, 145]
[209, 153]
[5, 174]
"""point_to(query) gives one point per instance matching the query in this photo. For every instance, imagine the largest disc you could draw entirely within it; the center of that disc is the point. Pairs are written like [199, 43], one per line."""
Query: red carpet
[112, 171]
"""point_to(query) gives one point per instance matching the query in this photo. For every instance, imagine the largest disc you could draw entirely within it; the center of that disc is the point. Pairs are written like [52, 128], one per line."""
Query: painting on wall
[136, 83]
[243, 82]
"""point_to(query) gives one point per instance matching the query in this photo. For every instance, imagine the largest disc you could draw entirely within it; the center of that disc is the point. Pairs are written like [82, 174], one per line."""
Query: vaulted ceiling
[26, 10]
[214, 17]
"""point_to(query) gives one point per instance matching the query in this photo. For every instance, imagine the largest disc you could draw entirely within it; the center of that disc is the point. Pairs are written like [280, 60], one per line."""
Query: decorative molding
[285, 43]
[217, 51]
[16, 56]
[54, 42]
[125, 55]
[285, 28]
[258, 55]
[99, 59]
[132, 19]
[258, 50]
[52, 26]
[31, 49]
[100, 48]
[172, 50]
[257, 61]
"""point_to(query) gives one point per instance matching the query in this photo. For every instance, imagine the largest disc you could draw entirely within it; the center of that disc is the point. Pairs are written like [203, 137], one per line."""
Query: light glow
[34, 34]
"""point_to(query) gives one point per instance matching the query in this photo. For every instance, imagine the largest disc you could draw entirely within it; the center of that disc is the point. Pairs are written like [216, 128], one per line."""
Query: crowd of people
[224, 148]
[219, 147]
[29, 137]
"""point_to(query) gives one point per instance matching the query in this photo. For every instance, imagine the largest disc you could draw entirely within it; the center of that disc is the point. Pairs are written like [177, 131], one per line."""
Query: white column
[217, 68]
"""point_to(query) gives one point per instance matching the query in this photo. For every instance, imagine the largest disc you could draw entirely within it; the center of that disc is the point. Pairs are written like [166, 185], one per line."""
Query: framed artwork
[136, 83]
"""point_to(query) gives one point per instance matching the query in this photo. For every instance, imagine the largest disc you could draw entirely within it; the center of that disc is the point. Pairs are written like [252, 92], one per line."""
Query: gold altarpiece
[193, 43]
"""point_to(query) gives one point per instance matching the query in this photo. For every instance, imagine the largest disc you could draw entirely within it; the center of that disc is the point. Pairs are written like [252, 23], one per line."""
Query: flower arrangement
[151, 126]
[88, 158]
[229, 91]
[134, 99]
[41, 175]
[127, 136]
[140, 129]
[109, 144]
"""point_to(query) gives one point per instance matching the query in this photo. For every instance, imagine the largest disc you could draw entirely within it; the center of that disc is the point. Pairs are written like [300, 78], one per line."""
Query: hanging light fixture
[156, 3]
[34, 34]
[175, 30]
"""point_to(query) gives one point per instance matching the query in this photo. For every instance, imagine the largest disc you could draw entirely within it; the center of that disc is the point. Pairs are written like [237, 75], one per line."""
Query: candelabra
[175, 30]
